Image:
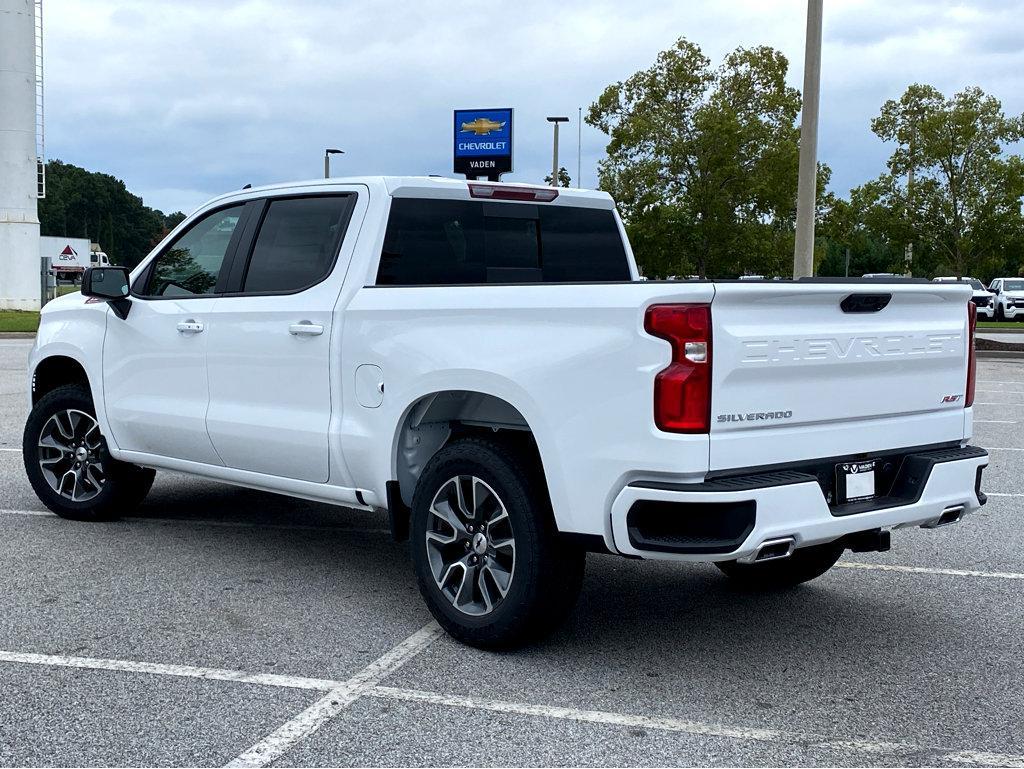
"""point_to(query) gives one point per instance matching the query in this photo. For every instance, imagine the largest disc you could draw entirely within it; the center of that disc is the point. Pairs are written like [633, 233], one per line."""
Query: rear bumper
[778, 505]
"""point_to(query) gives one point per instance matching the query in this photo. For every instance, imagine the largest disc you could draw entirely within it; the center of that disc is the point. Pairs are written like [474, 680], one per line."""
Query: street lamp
[327, 160]
[554, 153]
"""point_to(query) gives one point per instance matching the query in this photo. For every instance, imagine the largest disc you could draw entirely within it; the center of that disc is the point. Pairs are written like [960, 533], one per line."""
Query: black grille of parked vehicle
[690, 527]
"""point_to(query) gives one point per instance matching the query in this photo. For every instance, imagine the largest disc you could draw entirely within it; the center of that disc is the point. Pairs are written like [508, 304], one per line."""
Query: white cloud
[187, 99]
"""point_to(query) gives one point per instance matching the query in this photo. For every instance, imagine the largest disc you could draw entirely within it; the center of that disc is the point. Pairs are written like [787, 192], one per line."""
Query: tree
[86, 204]
[564, 180]
[703, 161]
[950, 190]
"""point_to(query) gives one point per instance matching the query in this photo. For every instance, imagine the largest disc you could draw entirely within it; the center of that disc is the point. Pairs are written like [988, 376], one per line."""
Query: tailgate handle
[865, 302]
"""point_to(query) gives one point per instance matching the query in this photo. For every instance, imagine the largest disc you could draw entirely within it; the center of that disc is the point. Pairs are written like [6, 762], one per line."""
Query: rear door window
[297, 243]
[452, 242]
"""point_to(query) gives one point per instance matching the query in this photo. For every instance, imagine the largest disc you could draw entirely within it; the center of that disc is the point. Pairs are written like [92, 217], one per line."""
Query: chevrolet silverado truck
[481, 363]
[1009, 293]
[984, 300]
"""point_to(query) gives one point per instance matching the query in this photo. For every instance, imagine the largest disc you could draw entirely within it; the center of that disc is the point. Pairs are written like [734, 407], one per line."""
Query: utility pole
[327, 160]
[554, 153]
[807, 192]
[579, 148]
[908, 251]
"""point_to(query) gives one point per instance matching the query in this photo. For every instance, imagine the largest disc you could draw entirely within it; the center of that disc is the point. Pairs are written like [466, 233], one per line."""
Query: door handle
[305, 328]
[190, 326]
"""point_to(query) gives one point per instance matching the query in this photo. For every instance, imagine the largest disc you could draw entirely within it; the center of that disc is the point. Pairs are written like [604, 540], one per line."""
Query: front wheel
[805, 564]
[67, 461]
[488, 559]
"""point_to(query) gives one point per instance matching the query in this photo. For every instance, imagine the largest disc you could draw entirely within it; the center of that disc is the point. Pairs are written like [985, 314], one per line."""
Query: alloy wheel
[70, 455]
[470, 545]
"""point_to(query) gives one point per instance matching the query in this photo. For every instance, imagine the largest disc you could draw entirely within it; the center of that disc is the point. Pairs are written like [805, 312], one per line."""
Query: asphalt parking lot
[220, 625]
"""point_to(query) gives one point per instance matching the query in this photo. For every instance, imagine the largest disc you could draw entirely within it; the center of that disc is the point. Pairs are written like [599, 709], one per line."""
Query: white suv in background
[1009, 297]
[984, 300]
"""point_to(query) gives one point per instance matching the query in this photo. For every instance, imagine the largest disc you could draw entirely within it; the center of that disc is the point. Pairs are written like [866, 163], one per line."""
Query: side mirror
[109, 284]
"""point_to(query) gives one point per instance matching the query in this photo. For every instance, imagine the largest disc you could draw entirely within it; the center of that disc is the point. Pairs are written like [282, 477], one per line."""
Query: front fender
[75, 330]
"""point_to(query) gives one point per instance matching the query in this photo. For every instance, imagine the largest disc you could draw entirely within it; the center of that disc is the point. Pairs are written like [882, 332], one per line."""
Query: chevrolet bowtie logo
[482, 126]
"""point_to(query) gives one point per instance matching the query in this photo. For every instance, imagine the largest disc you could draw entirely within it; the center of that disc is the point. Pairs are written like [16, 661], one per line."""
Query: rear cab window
[463, 242]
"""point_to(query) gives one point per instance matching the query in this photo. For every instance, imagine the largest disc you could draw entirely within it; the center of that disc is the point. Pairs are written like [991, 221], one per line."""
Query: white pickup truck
[482, 362]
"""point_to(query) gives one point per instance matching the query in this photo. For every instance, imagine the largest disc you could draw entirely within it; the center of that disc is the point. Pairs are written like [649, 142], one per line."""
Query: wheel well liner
[56, 371]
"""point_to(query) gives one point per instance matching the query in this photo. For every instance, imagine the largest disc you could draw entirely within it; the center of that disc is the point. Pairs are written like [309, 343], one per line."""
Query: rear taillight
[682, 391]
[972, 358]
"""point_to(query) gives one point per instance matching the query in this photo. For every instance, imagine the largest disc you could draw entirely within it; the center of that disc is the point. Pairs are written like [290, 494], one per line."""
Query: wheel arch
[432, 421]
[55, 371]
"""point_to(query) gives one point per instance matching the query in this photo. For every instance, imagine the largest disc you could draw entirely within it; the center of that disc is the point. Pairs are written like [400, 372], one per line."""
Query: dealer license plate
[857, 480]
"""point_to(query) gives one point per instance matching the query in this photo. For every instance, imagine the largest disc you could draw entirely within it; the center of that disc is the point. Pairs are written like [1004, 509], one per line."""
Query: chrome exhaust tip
[952, 514]
[771, 550]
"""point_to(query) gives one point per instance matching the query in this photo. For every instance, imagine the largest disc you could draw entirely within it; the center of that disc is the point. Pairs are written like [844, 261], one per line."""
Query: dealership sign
[483, 142]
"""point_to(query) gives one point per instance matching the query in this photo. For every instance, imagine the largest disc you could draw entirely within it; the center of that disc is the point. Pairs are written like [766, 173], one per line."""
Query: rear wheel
[67, 461]
[805, 564]
[488, 560]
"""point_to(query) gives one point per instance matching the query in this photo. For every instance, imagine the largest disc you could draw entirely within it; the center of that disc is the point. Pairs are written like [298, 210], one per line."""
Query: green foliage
[962, 212]
[564, 180]
[703, 161]
[86, 204]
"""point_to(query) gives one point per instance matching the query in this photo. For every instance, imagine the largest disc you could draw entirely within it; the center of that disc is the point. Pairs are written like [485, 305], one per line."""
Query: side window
[191, 266]
[297, 243]
[451, 242]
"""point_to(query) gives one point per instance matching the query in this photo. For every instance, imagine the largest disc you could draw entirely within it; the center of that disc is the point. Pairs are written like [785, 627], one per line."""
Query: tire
[512, 581]
[86, 486]
[999, 313]
[805, 564]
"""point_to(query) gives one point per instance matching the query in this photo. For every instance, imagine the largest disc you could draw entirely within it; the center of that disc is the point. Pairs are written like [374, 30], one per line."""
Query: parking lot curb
[996, 354]
[17, 334]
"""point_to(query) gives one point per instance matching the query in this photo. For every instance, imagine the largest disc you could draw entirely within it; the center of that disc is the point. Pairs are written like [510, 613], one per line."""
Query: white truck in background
[984, 300]
[69, 257]
[1009, 298]
[481, 362]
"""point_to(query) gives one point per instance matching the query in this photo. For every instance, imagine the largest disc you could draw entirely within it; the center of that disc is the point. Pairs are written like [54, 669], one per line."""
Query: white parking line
[1002, 448]
[182, 671]
[1001, 494]
[929, 570]
[1017, 392]
[341, 694]
[285, 737]
[995, 421]
[695, 728]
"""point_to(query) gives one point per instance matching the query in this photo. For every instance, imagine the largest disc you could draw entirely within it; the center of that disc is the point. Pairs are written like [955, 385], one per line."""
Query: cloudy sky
[185, 99]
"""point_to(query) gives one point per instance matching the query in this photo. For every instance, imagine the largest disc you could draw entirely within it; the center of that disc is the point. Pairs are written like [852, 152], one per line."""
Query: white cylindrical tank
[19, 218]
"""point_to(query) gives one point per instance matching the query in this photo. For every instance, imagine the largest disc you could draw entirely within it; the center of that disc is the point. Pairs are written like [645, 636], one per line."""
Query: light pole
[327, 160]
[807, 193]
[554, 153]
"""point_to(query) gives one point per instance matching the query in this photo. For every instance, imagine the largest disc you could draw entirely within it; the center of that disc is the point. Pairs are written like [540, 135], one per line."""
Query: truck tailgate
[796, 376]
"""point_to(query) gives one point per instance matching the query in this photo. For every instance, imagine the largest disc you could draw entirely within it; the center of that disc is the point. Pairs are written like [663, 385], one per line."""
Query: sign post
[483, 143]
